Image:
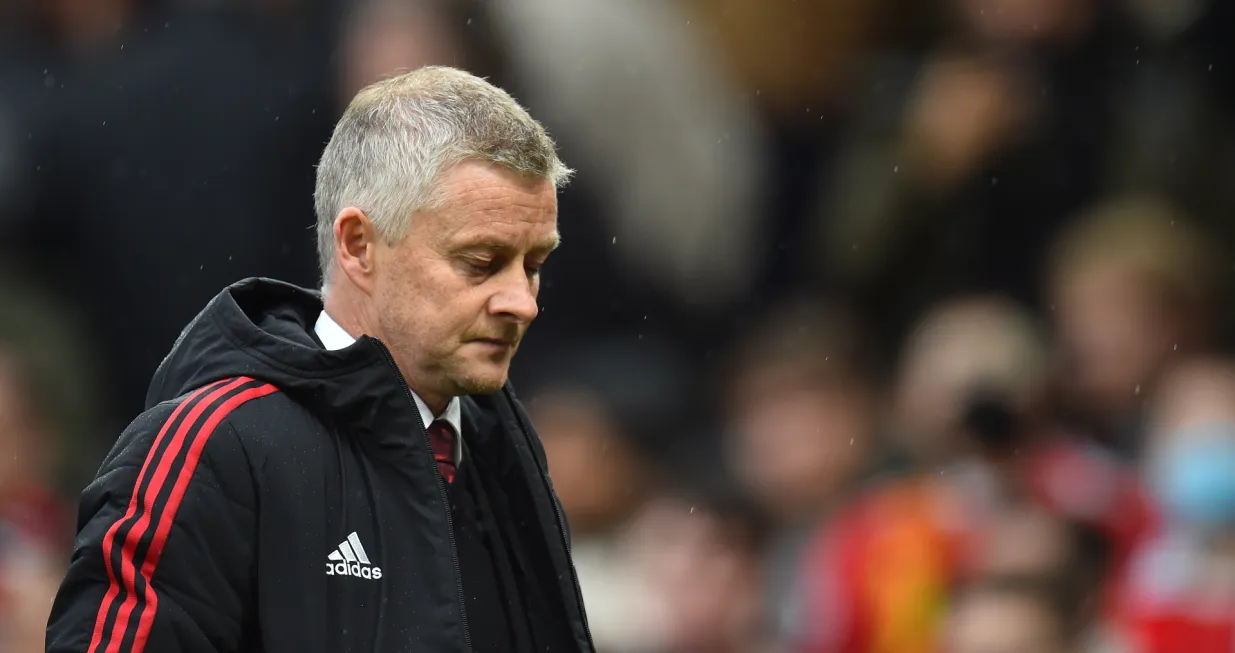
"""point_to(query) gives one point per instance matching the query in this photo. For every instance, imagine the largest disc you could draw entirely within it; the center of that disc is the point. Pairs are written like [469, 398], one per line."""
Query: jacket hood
[263, 328]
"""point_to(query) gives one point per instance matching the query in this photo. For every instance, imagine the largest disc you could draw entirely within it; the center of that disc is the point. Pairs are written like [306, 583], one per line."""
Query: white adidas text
[350, 559]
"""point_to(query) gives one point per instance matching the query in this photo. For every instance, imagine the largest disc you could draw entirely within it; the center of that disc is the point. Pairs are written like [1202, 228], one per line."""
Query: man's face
[454, 297]
[1114, 334]
[799, 448]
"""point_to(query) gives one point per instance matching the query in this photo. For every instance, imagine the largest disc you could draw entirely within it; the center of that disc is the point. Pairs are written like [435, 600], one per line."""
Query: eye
[477, 267]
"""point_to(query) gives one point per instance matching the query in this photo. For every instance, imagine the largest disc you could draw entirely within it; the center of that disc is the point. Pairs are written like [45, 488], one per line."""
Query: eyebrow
[549, 244]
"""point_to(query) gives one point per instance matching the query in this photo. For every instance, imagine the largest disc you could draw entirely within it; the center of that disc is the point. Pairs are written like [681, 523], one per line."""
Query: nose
[515, 300]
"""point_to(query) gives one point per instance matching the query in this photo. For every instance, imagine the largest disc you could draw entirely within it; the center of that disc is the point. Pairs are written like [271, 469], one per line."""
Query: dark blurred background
[880, 326]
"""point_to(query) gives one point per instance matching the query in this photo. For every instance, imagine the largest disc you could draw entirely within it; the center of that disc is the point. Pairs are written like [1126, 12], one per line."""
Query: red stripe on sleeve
[128, 553]
[151, 599]
[113, 588]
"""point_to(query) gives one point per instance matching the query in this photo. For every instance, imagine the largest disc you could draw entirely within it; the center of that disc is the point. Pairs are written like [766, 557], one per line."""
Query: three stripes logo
[134, 544]
[350, 559]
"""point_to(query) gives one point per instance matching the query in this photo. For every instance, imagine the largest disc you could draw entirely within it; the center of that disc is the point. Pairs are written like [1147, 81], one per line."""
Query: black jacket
[274, 497]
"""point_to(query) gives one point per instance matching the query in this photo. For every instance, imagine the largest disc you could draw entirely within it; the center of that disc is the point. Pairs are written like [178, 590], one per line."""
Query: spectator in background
[697, 553]
[962, 161]
[799, 62]
[967, 409]
[801, 402]
[1180, 592]
[1011, 615]
[1133, 285]
[604, 413]
[1025, 541]
[45, 422]
[877, 577]
[34, 526]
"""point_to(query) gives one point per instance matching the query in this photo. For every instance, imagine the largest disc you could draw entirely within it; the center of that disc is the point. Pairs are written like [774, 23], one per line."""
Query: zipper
[561, 519]
[441, 487]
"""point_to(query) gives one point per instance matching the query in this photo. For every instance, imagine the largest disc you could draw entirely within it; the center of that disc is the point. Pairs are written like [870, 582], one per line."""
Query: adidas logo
[350, 559]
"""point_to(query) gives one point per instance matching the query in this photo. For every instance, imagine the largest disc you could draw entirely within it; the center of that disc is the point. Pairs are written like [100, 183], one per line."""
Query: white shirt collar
[334, 337]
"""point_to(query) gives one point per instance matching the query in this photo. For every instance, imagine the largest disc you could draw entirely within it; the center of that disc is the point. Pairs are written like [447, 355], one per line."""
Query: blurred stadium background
[881, 326]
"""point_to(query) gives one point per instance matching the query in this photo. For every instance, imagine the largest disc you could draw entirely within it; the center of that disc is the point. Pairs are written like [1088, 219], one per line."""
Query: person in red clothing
[1179, 594]
[878, 578]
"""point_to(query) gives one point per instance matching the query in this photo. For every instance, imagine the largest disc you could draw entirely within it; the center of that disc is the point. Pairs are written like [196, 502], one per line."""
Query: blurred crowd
[881, 326]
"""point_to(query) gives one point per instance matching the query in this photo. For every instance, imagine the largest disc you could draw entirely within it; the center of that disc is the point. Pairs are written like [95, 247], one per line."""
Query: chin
[483, 381]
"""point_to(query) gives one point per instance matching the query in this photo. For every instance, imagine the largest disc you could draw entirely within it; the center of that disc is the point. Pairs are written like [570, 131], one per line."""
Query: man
[351, 471]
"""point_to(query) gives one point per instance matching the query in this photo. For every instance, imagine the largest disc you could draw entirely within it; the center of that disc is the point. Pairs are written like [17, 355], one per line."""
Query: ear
[355, 241]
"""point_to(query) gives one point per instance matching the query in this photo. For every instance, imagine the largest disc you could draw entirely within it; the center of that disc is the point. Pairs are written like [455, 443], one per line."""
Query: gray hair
[399, 135]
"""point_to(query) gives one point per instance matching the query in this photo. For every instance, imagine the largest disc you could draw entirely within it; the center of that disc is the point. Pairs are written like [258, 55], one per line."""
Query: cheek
[418, 291]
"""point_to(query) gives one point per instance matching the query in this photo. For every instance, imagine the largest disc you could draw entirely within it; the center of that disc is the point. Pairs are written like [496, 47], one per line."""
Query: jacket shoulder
[198, 414]
[186, 444]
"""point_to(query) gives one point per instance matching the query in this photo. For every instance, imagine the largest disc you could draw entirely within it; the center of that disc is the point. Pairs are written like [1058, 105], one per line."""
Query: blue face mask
[1194, 479]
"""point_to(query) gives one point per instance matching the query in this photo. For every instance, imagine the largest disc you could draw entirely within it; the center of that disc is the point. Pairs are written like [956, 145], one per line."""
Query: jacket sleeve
[164, 549]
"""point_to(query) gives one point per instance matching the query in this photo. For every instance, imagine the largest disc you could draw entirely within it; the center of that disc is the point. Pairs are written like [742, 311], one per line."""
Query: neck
[349, 308]
[349, 311]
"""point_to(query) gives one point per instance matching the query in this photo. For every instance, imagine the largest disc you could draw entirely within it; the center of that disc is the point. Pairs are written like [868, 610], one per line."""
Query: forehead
[482, 202]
